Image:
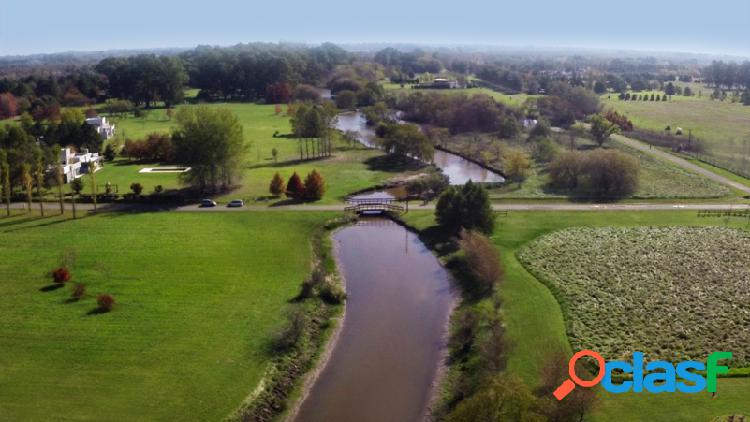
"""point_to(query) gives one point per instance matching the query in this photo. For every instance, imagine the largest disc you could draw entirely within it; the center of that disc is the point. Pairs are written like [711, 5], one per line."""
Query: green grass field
[659, 179]
[510, 100]
[347, 171]
[535, 324]
[198, 298]
[722, 125]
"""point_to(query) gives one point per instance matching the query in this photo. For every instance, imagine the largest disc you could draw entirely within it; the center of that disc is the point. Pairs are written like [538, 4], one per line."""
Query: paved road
[54, 208]
[642, 146]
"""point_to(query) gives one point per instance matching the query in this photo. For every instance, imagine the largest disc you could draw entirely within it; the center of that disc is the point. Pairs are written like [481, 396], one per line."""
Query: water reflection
[458, 169]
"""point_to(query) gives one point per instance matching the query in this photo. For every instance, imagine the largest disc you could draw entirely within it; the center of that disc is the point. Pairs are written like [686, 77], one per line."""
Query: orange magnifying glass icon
[569, 384]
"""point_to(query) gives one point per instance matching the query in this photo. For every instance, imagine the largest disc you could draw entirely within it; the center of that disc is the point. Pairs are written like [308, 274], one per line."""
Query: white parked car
[236, 203]
[207, 203]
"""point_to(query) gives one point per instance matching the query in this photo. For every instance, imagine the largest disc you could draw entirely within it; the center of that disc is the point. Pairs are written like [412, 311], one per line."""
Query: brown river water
[386, 359]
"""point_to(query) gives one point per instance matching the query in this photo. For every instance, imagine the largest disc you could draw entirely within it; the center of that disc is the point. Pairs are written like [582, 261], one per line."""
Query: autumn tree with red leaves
[294, 187]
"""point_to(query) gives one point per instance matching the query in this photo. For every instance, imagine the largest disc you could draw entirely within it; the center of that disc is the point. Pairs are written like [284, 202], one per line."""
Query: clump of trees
[312, 189]
[156, 147]
[145, 78]
[405, 140]
[460, 113]
[311, 120]
[466, 207]
[428, 186]
[244, 71]
[211, 142]
[600, 173]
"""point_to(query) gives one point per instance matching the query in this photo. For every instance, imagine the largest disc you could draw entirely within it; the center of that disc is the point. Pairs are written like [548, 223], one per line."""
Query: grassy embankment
[535, 324]
[199, 299]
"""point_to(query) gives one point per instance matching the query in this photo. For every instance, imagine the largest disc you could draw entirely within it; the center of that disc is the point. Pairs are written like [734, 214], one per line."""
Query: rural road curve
[54, 208]
[642, 146]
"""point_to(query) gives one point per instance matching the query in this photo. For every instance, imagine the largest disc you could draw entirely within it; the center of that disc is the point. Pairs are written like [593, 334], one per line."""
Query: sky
[45, 26]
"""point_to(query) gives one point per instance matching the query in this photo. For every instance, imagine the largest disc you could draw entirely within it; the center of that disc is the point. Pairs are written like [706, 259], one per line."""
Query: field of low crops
[673, 293]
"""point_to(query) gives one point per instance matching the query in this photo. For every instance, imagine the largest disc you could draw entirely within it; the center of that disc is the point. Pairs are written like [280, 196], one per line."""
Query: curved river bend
[458, 169]
[386, 359]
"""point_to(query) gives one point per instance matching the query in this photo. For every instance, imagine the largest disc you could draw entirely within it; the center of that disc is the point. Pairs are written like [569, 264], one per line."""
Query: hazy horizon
[641, 25]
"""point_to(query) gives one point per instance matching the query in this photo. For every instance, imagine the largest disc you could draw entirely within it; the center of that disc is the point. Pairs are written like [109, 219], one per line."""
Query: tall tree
[5, 175]
[210, 141]
[602, 129]
[60, 181]
[39, 168]
[27, 182]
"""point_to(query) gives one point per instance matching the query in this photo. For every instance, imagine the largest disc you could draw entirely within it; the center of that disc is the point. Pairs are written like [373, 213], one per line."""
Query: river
[458, 169]
[384, 365]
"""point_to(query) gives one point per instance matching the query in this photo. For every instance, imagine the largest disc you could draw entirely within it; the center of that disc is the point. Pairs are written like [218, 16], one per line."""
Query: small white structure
[76, 165]
[102, 126]
[527, 123]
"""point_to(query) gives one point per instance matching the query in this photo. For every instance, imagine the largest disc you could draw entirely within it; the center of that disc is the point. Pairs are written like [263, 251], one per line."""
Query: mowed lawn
[535, 325]
[345, 172]
[199, 297]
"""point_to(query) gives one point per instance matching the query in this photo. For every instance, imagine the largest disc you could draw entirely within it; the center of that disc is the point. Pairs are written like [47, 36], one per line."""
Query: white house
[76, 165]
[102, 126]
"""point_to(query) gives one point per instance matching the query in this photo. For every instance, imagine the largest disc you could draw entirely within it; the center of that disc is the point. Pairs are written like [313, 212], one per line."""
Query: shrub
[291, 334]
[331, 292]
[544, 150]
[61, 275]
[106, 302]
[482, 259]
[79, 290]
[566, 169]
[277, 186]
[315, 186]
[601, 173]
[294, 187]
[516, 165]
[77, 185]
[158, 188]
[137, 188]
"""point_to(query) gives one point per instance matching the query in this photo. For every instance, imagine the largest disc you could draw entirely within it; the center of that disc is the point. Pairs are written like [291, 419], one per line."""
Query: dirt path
[642, 146]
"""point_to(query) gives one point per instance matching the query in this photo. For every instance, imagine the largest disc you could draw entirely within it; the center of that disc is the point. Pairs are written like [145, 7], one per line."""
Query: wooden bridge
[371, 205]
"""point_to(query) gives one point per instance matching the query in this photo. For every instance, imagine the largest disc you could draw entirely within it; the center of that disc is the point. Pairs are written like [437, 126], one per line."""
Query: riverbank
[386, 362]
[313, 328]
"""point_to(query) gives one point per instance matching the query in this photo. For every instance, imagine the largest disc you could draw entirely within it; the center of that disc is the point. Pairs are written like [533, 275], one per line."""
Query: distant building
[442, 83]
[76, 165]
[102, 126]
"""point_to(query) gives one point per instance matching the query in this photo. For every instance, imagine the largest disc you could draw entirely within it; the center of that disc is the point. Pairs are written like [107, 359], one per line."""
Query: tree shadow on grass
[394, 163]
[51, 287]
[20, 221]
[289, 201]
[288, 163]
[97, 311]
